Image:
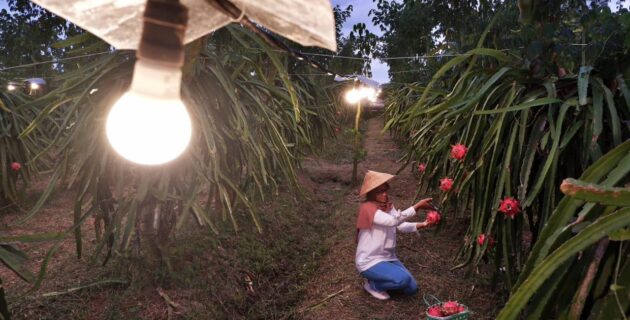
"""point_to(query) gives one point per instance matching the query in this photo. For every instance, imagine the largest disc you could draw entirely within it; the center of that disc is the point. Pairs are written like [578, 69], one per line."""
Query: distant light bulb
[34, 86]
[369, 93]
[353, 96]
[11, 87]
[149, 124]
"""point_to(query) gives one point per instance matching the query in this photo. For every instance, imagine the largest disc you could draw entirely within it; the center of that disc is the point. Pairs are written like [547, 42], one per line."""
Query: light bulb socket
[163, 33]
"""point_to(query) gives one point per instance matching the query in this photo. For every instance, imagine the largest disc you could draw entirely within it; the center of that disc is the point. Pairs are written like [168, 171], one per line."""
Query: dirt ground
[314, 279]
[336, 291]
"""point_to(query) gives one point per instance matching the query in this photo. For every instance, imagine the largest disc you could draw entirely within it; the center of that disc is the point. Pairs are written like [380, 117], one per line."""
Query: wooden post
[357, 142]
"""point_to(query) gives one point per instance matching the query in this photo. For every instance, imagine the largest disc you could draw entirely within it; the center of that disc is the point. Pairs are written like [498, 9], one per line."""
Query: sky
[360, 11]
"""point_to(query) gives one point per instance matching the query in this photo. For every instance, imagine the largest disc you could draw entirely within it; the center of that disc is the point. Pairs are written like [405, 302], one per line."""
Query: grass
[242, 274]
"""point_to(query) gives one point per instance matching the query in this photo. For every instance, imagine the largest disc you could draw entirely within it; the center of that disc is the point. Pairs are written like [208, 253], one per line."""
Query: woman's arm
[383, 219]
[424, 204]
[408, 227]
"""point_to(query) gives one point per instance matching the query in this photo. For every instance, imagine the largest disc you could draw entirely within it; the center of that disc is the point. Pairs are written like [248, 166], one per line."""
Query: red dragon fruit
[16, 166]
[446, 184]
[458, 151]
[433, 217]
[435, 312]
[510, 206]
[482, 238]
[450, 307]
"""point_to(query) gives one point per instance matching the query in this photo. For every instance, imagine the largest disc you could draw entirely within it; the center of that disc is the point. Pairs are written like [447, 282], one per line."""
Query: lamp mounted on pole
[354, 96]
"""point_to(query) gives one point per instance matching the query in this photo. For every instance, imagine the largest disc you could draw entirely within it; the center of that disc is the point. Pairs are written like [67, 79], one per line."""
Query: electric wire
[299, 55]
[55, 60]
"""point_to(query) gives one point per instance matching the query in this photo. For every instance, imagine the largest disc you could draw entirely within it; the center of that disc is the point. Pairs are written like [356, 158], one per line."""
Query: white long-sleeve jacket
[378, 243]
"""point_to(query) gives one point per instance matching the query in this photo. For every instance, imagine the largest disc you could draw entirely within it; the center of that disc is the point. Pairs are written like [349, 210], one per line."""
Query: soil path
[335, 292]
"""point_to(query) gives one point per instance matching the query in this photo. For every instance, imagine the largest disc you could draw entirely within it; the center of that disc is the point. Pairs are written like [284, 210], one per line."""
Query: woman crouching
[377, 224]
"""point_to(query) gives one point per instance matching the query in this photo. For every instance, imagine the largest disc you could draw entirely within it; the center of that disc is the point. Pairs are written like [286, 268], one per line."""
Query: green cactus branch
[596, 193]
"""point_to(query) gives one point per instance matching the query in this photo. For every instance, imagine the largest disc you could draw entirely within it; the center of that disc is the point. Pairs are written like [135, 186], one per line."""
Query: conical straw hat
[372, 180]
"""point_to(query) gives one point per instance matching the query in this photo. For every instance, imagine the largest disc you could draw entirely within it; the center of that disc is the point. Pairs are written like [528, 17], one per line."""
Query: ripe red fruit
[510, 206]
[422, 167]
[446, 184]
[16, 166]
[435, 312]
[458, 151]
[450, 308]
[482, 238]
[433, 217]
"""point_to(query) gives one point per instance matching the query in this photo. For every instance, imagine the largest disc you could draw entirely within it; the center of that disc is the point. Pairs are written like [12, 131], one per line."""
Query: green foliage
[253, 123]
[251, 130]
[553, 259]
[15, 115]
[415, 28]
[529, 120]
[28, 34]
[14, 259]
[522, 141]
[596, 193]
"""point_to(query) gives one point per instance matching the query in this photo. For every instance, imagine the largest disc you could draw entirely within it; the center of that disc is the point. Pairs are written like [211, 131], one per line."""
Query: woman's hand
[424, 204]
[422, 225]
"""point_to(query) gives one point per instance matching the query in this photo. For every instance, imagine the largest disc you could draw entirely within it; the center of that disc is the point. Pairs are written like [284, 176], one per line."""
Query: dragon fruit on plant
[433, 217]
[458, 151]
[16, 166]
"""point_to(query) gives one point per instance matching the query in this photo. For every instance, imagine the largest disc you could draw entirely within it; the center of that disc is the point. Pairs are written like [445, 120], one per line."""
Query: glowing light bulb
[34, 86]
[11, 87]
[150, 124]
[353, 96]
[367, 93]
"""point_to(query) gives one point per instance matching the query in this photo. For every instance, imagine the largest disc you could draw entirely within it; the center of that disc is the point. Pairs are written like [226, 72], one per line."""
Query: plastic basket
[436, 302]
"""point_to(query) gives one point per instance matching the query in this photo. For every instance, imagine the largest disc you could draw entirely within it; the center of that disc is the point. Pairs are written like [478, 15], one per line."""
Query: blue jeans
[391, 275]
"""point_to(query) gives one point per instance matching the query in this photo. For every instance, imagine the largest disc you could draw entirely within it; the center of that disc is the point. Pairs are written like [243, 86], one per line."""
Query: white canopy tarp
[119, 22]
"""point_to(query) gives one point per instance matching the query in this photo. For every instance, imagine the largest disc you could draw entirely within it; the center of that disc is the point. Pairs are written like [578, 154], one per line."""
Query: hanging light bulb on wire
[150, 124]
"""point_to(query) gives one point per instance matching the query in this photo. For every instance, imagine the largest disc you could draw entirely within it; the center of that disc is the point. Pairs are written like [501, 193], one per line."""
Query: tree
[27, 35]
[416, 28]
